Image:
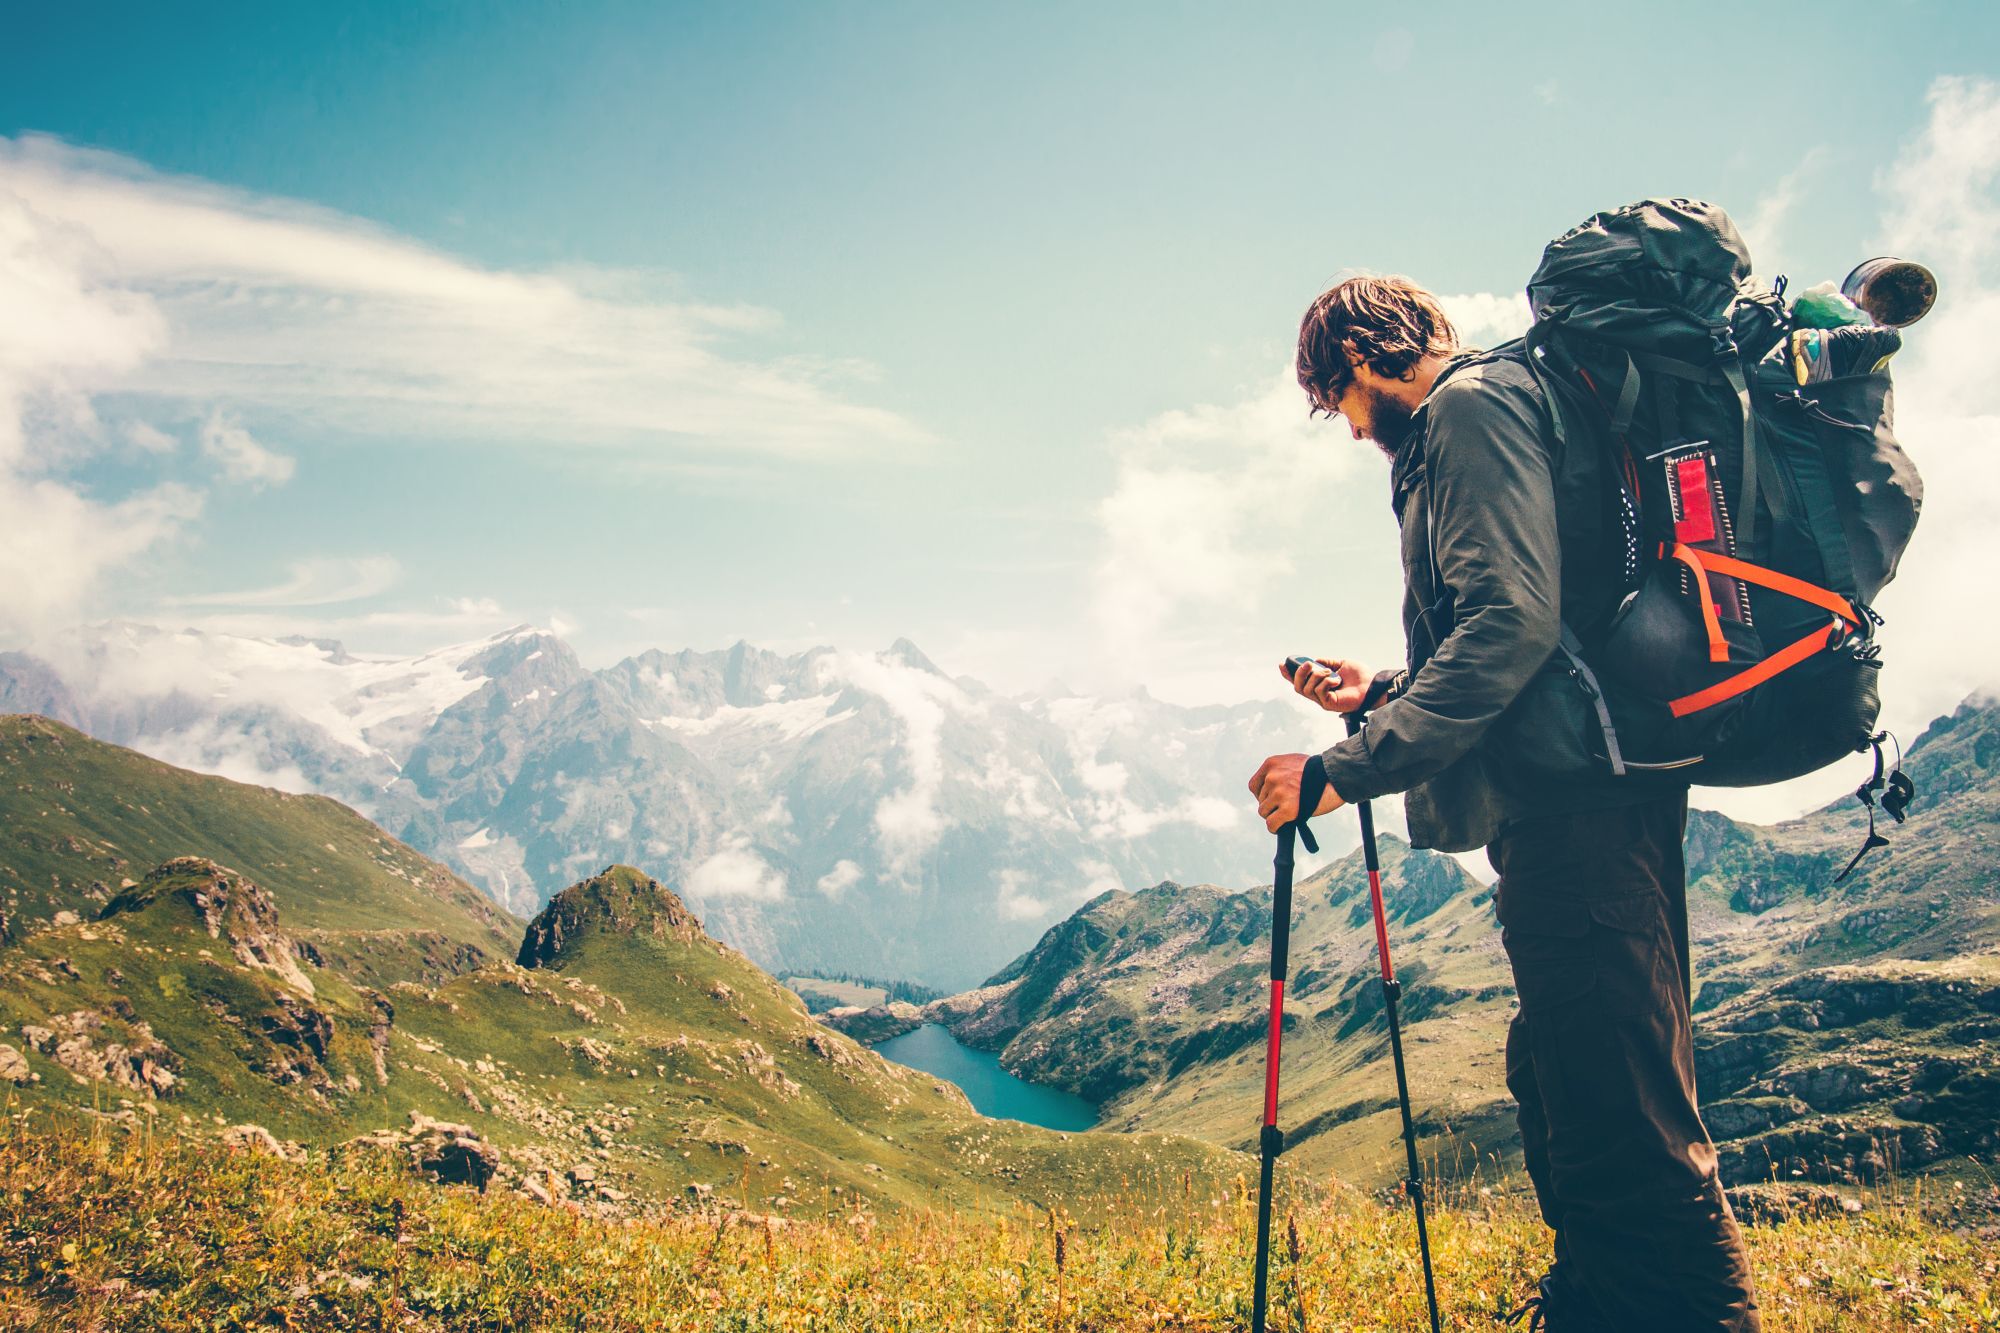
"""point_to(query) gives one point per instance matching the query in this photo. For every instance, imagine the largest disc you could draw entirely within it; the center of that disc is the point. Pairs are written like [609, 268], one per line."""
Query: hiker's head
[1369, 348]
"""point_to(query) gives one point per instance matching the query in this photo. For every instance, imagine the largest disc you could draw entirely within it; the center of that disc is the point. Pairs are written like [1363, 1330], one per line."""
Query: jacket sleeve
[1492, 508]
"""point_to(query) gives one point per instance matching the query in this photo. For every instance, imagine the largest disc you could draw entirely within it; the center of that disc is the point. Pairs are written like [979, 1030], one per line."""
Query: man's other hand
[1276, 787]
[1334, 684]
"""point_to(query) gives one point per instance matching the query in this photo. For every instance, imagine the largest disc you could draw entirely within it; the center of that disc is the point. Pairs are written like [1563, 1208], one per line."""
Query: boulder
[257, 1139]
[449, 1153]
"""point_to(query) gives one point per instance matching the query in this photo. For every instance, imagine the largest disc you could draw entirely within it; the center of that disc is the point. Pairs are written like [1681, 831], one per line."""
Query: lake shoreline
[993, 1091]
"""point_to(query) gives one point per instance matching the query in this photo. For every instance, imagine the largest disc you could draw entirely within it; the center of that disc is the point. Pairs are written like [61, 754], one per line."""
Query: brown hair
[1392, 322]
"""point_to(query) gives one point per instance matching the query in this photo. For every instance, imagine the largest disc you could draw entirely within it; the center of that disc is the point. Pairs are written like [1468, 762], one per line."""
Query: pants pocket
[1563, 948]
[1547, 939]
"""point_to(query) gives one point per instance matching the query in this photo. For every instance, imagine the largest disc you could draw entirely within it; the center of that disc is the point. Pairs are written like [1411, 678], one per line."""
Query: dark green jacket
[1502, 540]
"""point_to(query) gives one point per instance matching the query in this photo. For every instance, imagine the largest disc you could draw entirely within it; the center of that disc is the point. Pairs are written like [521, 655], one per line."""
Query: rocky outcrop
[257, 1139]
[231, 909]
[300, 1039]
[1849, 1074]
[877, 1023]
[451, 1154]
[103, 1047]
[14, 1066]
[378, 1034]
[621, 900]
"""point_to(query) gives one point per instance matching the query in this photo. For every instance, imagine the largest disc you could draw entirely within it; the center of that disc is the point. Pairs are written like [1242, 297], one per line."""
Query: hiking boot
[1555, 1308]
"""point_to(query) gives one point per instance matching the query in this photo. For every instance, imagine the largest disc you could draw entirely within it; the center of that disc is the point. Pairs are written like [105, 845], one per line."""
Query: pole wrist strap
[1312, 786]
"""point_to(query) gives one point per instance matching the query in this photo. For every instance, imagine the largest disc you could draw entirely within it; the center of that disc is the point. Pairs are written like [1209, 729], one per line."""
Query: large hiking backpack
[1759, 517]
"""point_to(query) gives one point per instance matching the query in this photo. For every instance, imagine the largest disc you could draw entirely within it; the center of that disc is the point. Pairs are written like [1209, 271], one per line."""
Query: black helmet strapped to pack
[1761, 493]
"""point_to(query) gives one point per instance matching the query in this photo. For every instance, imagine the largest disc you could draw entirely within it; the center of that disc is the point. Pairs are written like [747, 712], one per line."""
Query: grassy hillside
[151, 1233]
[1154, 1004]
[627, 1060]
[80, 820]
[1844, 1030]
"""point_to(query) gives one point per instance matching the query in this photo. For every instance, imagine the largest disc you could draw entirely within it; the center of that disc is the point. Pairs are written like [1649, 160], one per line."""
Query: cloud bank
[192, 310]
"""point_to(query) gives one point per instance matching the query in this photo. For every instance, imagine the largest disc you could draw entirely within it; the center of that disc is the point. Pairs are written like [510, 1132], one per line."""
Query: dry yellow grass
[103, 1229]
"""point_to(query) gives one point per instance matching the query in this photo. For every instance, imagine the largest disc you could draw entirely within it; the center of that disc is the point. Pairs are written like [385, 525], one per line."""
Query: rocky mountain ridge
[1844, 1031]
[821, 810]
[627, 1061]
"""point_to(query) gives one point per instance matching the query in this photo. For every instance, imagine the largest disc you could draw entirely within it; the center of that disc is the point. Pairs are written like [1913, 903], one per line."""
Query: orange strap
[1772, 579]
[1751, 677]
[1718, 647]
[1703, 563]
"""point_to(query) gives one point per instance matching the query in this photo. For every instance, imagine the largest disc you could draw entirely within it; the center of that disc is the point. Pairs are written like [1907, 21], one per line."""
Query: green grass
[821, 994]
[641, 1048]
[107, 1229]
[79, 818]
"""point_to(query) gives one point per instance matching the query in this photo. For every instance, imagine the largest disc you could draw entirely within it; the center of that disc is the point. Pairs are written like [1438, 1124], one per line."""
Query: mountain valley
[1844, 1031]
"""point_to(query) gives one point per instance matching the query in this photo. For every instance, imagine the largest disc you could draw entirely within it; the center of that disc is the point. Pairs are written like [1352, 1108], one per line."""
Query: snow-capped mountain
[853, 811]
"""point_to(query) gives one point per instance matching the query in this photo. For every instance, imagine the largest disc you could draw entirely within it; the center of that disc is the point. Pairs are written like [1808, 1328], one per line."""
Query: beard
[1388, 422]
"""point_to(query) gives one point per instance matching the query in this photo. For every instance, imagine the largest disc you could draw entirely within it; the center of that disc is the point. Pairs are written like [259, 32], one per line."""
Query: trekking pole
[1392, 991]
[1271, 1141]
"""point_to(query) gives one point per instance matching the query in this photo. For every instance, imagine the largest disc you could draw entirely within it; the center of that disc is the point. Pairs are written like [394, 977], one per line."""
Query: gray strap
[1628, 398]
[1572, 648]
[1541, 377]
[1816, 495]
[1773, 482]
[1746, 519]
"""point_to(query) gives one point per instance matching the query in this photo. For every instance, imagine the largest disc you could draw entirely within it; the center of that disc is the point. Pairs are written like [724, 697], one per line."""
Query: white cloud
[319, 582]
[416, 630]
[239, 454]
[66, 330]
[1015, 902]
[57, 544]
[735, 871]
[1941, 201]
[837, 881]
[288, 313]
[909, 821]
[1219, 517]
[1106, 808]
[1219, 514]
[150, 438]
[1764, 227]
[375, 706]
[1942, 206]
[1487, 319]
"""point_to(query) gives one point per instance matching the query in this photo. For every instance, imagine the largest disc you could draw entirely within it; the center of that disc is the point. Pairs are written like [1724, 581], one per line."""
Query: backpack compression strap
[1703, 563]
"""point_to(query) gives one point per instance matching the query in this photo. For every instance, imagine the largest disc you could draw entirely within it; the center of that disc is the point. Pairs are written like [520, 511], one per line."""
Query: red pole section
[1381, 920]
[1271, 1059]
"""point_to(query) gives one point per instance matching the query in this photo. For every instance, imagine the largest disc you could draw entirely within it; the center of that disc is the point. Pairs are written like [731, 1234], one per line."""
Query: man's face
[1373, 413]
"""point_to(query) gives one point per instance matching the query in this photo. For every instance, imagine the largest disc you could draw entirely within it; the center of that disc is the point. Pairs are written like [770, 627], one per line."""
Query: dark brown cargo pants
[1600, 1056]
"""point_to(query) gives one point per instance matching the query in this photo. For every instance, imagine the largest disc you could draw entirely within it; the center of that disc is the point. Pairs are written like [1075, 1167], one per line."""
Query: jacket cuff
[1351, 771]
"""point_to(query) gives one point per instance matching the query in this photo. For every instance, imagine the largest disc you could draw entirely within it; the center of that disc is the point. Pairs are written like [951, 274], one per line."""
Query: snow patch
[792, 720]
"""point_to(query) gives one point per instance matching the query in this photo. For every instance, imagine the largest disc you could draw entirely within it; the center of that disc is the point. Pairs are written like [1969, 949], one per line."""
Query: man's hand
[1317, 682]
[1276, 787]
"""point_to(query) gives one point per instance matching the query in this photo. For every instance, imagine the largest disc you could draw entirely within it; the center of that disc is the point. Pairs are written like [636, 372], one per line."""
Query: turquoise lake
[993, 1091]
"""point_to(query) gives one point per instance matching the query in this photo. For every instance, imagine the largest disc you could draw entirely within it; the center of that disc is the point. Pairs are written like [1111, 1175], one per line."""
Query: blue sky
[896, 319]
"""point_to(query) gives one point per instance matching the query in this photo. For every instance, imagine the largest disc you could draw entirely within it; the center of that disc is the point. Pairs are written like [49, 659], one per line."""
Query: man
[1502, 543]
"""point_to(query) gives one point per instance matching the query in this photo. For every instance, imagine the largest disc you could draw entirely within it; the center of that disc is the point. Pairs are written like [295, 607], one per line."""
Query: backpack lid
[1660, 274]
